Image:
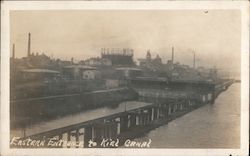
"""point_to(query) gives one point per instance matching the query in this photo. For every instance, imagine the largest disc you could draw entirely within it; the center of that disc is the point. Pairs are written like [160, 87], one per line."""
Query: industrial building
[118, 57]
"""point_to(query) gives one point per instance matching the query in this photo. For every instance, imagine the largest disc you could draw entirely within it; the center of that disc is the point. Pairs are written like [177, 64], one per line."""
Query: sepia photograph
[126, 78]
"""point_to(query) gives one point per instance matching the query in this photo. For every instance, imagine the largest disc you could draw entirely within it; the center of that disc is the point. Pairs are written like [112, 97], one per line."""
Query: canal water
[76, 118]
[210, 126]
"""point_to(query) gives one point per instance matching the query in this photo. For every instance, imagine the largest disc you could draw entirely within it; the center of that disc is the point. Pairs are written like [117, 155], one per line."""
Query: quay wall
[122, 126]
[133, 123]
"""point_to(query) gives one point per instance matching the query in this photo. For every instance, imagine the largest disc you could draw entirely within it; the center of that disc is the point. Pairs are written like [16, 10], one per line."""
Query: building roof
[40, 71]
[128, 68]
[193, 81]
[158, 79]
[80, 66]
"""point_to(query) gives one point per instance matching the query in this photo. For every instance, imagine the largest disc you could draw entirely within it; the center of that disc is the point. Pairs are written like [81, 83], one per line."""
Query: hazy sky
[215, 36]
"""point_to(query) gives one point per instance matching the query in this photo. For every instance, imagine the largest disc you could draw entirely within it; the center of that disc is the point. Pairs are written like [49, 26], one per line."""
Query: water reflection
[211, 126]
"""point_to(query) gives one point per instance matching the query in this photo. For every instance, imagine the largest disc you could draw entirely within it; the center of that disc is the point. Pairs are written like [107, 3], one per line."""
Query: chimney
[29, 45]
[173, 55]
[13, 51]
[194, 61]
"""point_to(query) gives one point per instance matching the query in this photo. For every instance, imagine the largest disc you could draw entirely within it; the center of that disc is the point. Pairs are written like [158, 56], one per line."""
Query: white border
[124, 5]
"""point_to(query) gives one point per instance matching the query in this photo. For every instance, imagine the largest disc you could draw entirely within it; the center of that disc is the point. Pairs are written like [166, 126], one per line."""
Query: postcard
[124, 78]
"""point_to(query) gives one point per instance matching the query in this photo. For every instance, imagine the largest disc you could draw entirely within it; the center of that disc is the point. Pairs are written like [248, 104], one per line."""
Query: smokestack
[13, 51]
[172, 54]
[194, 61]
[29, 45]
